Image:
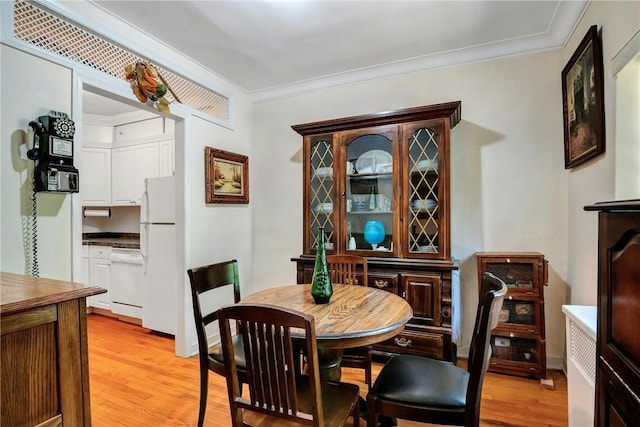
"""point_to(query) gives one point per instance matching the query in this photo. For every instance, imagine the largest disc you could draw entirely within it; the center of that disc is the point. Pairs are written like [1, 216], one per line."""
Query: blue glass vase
[374, 233]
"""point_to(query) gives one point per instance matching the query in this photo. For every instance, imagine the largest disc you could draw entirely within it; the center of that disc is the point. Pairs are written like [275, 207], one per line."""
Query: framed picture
[226, 176]
[582, 98]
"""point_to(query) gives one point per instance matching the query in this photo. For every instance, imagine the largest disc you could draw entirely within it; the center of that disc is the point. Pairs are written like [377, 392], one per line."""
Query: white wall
[216, 232]
[30, 88]
[510, 191]
[594, 181]
[627, 180]
[508, 184]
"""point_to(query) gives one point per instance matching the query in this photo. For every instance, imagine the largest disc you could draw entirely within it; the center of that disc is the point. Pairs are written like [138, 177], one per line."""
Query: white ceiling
[271, 48]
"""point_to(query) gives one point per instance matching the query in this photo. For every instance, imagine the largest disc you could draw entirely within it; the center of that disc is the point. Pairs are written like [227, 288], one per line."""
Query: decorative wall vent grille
[583, 351]
[40, 28]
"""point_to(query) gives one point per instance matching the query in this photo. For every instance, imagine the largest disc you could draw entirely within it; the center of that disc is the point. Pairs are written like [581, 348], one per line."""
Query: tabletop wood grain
[355, 316]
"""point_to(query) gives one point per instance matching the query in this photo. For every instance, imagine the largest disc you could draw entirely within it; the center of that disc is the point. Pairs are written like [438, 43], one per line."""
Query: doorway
[99, 110]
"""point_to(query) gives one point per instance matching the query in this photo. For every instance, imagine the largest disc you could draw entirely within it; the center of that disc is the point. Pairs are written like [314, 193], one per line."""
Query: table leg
[329, 363]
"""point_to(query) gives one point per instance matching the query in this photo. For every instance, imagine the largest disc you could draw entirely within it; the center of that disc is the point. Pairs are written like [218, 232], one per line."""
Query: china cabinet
[378, 185]
[618, 339]
[518, 344]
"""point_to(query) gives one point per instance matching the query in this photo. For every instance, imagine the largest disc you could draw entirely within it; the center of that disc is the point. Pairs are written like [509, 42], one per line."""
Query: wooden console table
[45, 376]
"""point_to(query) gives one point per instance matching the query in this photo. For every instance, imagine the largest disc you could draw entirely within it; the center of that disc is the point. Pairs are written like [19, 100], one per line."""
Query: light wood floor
[137, 381]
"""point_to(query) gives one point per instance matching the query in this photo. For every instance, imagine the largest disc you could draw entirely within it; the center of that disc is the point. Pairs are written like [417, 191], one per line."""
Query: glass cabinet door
[369, 191]
[321, 192]
[424, 190]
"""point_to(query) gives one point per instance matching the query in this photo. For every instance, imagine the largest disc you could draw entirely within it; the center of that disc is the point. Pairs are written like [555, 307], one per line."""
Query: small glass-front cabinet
[518, 342]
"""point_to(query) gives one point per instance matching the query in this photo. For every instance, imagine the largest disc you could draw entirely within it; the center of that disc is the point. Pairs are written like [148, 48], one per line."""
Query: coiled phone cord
[35, 272]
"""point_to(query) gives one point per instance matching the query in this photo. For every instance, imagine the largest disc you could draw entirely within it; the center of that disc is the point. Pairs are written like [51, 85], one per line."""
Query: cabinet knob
[511, 335]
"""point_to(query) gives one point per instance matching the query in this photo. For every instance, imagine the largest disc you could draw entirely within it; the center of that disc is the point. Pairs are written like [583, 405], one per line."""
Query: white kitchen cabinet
[130, 166]
[95, 177]
[84, 266]
[166, 157]
[100, 275]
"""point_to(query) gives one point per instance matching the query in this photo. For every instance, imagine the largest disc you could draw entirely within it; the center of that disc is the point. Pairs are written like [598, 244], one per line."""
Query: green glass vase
[321, 289]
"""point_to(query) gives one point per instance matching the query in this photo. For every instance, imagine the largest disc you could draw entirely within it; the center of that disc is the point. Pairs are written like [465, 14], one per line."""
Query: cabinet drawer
[409, 342]
[100, 252]
[388, 282]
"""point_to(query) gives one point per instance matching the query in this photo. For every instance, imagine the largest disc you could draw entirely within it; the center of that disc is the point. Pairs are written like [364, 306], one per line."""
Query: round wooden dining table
[355, 316]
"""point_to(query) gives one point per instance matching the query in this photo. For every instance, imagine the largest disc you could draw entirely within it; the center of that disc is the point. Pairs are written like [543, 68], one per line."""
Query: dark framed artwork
[226, 176]
[583, 102]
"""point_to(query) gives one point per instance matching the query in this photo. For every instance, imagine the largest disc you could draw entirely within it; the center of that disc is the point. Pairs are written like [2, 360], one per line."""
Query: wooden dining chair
[276, 391]
[435, 391]
[203, 280]
[344, 269]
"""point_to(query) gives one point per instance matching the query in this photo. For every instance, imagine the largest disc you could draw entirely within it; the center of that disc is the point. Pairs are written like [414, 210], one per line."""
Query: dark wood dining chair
[434, 391]
[344, 269]
[275, 389]
[203, 280]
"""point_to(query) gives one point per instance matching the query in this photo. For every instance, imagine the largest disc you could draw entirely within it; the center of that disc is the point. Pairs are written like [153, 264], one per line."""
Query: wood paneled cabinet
[379, 187]
[618, 335]
[518, 343]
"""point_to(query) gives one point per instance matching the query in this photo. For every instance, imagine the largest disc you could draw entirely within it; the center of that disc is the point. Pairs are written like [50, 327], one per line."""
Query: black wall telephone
[53, 153]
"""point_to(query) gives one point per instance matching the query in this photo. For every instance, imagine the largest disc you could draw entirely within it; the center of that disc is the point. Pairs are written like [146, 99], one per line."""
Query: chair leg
[204, 387]
[367, 370]
[356, 415]
[372, 417]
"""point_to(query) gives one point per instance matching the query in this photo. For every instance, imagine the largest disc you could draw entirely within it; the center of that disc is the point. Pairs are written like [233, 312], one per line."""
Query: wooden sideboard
[618, 337]
[45, 376]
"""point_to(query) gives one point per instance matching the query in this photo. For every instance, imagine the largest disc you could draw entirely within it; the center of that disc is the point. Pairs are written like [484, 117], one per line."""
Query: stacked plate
[323, 208]
[375, 161]
[426, 165]
[324, 172]
[423, 204]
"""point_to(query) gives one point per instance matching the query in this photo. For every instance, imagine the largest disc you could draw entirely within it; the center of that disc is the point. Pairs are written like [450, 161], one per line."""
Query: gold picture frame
[583, 102]
[226, 177]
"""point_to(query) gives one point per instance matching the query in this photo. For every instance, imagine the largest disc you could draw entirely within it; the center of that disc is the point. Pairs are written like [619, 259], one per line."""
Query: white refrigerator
[158, 247]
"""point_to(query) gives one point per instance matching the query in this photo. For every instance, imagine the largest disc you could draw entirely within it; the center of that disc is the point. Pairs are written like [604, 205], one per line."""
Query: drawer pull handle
[381, 283]
[402, 342]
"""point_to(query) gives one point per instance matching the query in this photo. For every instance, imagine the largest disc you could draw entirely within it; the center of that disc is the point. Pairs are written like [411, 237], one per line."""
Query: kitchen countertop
[115, 240]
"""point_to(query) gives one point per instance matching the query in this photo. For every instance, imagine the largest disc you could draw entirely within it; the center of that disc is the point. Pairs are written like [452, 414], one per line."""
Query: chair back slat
[269, 354]
[344, 269]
